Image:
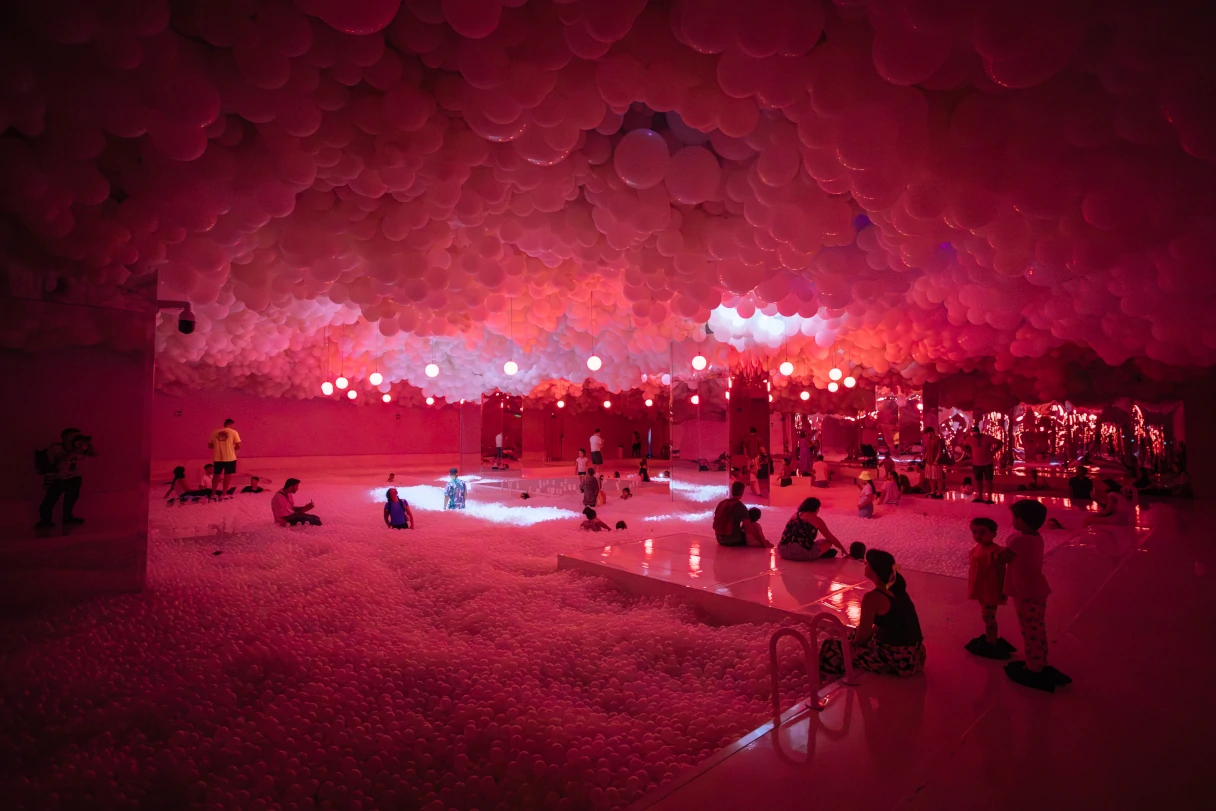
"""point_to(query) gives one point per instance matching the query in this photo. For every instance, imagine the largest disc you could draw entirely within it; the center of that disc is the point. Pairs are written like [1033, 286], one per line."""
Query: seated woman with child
[800, 540]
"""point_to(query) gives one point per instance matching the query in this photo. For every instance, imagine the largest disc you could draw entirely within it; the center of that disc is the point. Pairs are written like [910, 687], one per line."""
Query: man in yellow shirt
[225, 442]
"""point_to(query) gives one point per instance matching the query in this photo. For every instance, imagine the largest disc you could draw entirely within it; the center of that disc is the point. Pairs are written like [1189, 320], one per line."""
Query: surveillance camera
[185, 322]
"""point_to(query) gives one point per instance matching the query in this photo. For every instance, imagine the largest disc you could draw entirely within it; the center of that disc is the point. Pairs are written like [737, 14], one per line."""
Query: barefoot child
[986, 585]
[753, 533]
[1028, 587]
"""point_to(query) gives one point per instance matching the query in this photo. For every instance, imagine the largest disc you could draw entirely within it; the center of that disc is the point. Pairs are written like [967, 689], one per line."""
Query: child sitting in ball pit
[753, 533]
[591, 523]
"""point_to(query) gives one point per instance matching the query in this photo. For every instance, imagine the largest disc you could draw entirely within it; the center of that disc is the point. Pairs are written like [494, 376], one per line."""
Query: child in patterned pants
[1028, 587]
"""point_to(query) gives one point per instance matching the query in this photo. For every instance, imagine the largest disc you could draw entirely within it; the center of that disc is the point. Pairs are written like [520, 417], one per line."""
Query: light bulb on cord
[327, 388]
[696, 398]
[728, 395]
[649, 402]
[850, 382]
[594, 363]
[430, 401]
[699, 362]
[352, 394]
[510, 367]
[833, 387]
[787, 368]
[770, 398]
[666, 379]
[388, 398]
[432, 370]
[341, 382]
[375, 378]
[607, 404]
[835, 374]
[806, 395]
[561, 403]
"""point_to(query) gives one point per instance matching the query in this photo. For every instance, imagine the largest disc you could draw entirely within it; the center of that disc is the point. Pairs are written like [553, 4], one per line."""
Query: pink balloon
[473, 18]
[641, 159]
[363, 17]
[693, 175]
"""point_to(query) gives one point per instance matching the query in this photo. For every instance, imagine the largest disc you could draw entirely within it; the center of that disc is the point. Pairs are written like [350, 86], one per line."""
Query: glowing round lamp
[696, 398]
[850, 382]
[835, 374]
[327, 388]
[806, 395]
[770, 398]
[432, 370]
[341, 382]
[561, 403]
[699, 362]
[430, 401]
[645, 377]
[833, 387]
[594, 363]
[375, 378]
[666, 380]
[510, 367]
[786, 368]
[607, 404]
[649, 402]
[352, 394]
[728, 395]
[920, 406]
[388, 398]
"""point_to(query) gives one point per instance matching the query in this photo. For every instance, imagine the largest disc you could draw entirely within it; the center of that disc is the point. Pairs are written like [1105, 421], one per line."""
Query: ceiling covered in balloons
[912, 189]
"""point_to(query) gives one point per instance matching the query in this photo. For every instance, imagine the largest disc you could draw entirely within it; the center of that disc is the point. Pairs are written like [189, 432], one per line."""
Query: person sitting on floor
[591, 523]
[822, 475]
[800, 540]
[888, 637]
[207, 476]
[890, 490]
[178, 489]
[729, 517]
[753, 532]
[397, 512]
[253, 486]
[286, 513]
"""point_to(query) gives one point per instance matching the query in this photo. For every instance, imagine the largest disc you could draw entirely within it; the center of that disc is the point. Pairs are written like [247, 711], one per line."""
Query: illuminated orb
[432, 370]
[607, 404]
[352, 394]
[833, 386]
[645, 377]
[430, 401]
[920, 406]
[649, 402]
[561, 403]
[375, 378]
[786, 368]
[510, 367]
[327, 388]
[850, 382]
[388, 398]
[728, 395]
[696, 398]
[594, 363]
[699, 362]
[806, 395]
[770, 398]
[835, 374]
[341, 382]
[666, 380]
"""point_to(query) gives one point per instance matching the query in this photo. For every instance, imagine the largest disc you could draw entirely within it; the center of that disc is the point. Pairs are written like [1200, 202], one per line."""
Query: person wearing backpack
[729, 516]
[61, 477]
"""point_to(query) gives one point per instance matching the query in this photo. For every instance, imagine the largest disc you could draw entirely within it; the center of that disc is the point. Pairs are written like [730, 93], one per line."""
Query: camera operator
[64, 478]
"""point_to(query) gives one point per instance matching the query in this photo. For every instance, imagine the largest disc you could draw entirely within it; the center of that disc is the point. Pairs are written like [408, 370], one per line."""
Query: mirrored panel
[502, 433]
[751, 461]
[700, 439]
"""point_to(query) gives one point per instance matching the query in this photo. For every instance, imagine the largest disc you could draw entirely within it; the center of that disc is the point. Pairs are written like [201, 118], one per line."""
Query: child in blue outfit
[397, 512]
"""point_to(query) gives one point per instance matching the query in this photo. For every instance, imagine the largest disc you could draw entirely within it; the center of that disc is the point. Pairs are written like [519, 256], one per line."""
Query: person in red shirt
[986, 585]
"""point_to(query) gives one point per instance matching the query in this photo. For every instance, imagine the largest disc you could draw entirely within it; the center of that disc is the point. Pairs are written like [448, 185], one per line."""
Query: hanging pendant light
[649, 402]
[594, 363]
[352, 394]
[786, 368]
[430, 401]
[327, 388]
[388, 398]
[850, 382]
[607, 404]
[833, 387]
[835, 374]
[696, 399]
[510, 367]
[375, 378]
[699, 362]
[806, 395]
[432, 368]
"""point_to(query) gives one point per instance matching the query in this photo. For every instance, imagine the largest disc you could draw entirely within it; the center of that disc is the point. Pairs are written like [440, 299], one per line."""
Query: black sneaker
[979, 501]
[1059, 678]
[1020, 674]
[44, 525]
[1005, 644]
[71, 519]
[980, 647]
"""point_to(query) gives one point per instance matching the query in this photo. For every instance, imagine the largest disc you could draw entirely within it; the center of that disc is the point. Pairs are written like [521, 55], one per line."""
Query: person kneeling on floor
[397, 512]
[285, 511]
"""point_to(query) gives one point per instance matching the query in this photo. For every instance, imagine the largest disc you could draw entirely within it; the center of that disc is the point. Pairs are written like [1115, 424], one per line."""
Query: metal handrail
[832, 626]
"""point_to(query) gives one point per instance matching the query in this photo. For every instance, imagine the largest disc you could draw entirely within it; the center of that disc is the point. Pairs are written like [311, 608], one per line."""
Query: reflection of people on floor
[455, 491]
[286, 513]
[1116, 511]
[800, 540]
[1081, 489]
[888, 638]
[61, 476]
[397, 512]
[591, 523]
[753, 533]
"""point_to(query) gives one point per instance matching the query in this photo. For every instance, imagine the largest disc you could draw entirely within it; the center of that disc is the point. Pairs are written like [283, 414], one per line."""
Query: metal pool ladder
[831, 626]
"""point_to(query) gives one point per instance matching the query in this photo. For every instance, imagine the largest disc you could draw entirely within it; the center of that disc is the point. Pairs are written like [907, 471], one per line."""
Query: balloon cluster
[929, 187]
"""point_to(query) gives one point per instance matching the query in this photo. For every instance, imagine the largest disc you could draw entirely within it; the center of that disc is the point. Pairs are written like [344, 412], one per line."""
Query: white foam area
[692, 491]
[428, 498]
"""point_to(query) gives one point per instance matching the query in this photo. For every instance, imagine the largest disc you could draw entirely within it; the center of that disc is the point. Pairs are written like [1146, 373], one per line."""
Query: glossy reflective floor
[1131, 619]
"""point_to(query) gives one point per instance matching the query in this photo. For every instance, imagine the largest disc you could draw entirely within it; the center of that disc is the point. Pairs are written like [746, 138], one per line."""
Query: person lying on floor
[286, 513]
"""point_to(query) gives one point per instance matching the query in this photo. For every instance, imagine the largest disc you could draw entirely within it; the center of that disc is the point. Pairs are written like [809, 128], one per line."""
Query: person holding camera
[62, 477]
[286, 513]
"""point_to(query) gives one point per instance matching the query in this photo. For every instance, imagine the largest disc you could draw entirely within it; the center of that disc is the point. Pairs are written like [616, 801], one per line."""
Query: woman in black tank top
[888, 638]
